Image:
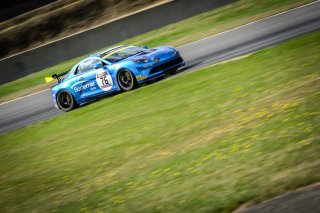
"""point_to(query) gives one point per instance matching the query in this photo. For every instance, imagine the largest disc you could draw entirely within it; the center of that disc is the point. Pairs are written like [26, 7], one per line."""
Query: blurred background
[26, 24]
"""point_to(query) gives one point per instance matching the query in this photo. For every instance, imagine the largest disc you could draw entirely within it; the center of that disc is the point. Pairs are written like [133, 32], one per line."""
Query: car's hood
[156, 54]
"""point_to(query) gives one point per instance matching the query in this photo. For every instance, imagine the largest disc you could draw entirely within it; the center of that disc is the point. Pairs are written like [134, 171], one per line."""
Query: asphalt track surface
[303, 200]
[233, 43]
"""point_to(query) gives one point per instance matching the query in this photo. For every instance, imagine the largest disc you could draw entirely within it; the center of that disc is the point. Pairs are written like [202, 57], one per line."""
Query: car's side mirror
[98, 66]
[144, 47]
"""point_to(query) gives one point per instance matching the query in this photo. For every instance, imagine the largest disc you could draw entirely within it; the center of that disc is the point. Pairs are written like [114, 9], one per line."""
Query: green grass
[200, 26]
[207, 141]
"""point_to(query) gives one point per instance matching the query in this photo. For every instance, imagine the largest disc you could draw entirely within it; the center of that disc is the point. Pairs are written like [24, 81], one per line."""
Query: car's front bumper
[160, 70]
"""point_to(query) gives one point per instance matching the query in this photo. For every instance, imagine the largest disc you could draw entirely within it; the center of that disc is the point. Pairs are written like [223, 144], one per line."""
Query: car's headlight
[143, 60]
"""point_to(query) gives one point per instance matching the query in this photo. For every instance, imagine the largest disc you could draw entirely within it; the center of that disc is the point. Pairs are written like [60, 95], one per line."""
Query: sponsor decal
[83, 87]
[104, 80]
[141, 77]
[156, 59]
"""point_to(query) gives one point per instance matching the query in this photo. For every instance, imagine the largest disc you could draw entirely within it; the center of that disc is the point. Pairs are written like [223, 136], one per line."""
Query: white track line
[23, 97]
[286, 11]
[253, 22]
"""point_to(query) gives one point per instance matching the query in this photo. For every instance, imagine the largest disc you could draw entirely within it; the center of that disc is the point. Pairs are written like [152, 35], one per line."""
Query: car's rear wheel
[66, 101]
[126, 80]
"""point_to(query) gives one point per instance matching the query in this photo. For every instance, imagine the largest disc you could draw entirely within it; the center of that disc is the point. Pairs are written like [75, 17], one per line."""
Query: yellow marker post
[48, 79]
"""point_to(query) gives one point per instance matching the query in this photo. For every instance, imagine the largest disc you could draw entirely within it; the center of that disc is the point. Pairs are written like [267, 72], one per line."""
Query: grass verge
[200, 26]
[207, 141]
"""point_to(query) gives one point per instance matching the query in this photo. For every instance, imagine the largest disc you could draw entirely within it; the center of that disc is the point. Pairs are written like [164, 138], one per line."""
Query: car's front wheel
[126, 80]
[66, 101]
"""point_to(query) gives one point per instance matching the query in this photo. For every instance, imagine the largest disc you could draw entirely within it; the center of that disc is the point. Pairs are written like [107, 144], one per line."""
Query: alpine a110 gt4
[120, 68]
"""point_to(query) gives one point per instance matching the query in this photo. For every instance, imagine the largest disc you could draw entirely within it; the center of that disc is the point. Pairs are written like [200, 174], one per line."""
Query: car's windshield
[120, 54]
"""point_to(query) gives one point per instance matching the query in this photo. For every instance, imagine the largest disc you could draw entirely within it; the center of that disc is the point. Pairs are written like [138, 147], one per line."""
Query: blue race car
[121, 68]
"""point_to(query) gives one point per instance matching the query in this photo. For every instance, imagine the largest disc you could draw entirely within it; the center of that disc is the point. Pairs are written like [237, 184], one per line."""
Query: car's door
[85, 73]
[93, 78]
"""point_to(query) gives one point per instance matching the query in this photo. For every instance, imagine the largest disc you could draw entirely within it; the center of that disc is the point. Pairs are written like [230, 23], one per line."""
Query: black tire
[126, 80]
[174, 71]
[66, 101]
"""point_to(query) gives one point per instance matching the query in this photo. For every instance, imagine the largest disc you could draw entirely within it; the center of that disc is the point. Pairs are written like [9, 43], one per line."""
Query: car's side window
[88, 65]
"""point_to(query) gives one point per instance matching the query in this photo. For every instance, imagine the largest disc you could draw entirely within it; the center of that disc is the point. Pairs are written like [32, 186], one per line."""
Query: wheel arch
[126, 68]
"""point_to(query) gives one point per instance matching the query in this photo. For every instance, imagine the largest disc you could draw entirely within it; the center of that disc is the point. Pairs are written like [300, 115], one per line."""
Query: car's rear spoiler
[56, 76]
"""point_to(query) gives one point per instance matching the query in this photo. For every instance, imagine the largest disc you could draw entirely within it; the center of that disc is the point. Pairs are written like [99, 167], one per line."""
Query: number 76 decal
[104, 80]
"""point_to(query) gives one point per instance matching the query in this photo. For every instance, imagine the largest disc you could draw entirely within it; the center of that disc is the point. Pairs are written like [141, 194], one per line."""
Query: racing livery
[120, 68]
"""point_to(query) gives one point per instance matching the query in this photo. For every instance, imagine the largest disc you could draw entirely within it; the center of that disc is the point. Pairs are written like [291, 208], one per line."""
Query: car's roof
[97, 55]
[107, 51]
